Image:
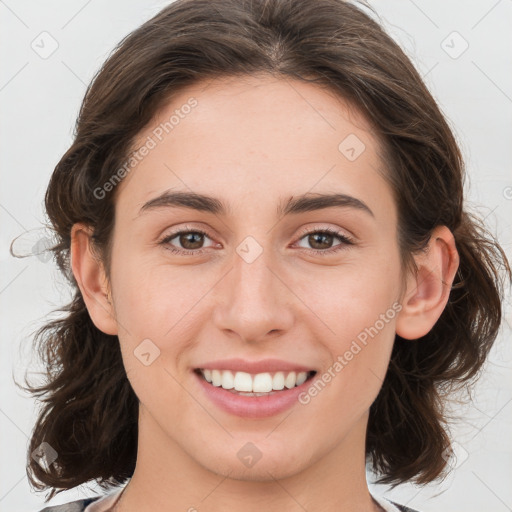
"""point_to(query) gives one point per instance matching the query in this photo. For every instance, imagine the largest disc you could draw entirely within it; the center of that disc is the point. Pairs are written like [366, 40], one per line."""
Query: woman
[275, 277]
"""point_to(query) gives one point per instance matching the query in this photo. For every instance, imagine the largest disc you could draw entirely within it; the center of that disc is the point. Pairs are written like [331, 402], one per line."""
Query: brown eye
[321, 241]
[190, 241]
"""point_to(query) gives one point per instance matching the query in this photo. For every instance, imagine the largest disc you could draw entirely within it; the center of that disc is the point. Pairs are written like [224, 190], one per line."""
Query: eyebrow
[304, 203]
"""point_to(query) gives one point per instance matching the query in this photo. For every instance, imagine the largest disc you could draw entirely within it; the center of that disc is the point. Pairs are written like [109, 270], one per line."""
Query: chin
[266, 469]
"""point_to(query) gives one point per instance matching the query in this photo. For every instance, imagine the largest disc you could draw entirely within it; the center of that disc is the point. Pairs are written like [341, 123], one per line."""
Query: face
[267, 278]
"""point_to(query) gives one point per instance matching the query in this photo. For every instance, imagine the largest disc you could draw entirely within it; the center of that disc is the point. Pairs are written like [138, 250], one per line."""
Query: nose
[253, 301]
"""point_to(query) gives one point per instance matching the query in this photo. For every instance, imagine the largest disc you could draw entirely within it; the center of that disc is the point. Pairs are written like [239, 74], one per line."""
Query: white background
[40, 99]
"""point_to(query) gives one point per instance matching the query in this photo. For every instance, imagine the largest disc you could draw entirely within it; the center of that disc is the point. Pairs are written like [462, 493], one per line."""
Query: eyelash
[186, 252]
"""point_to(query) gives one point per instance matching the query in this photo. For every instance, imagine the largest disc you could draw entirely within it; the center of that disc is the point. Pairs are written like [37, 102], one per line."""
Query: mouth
[254, 384]
[253, 389]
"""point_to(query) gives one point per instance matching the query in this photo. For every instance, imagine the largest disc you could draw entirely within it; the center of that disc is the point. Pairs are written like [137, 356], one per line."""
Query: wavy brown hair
[90, 411]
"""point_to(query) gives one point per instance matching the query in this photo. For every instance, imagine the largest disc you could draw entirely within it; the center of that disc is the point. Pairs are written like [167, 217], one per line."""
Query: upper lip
[262, 366]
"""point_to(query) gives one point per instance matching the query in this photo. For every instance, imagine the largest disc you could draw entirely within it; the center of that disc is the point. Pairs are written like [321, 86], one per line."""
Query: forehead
[255, 109]
[254, 139]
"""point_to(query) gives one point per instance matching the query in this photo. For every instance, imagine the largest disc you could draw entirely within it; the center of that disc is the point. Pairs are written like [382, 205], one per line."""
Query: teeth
[258, 383]
[243, 382]
[278, 381]
[290, 380]
[216, 378]
[262, 383]
[301, 378]
[228, 381]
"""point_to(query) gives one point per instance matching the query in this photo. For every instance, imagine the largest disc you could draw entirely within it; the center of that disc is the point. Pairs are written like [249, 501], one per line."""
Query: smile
[253, 389]
[259, 384]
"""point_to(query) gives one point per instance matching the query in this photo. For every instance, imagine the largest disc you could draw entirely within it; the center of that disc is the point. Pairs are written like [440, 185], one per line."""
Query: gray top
[80, 506]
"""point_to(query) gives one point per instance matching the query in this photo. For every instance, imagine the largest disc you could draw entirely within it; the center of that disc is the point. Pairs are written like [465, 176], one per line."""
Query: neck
[166, 478]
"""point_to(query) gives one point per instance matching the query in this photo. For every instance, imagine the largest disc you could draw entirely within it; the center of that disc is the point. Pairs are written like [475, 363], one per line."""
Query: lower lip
[252, 406]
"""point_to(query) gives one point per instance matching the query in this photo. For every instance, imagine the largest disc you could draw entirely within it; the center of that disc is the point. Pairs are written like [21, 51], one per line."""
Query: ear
[92, 280]
[428, 290]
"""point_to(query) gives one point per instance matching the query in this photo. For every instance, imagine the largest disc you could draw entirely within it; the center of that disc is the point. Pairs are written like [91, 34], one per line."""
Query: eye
[321, 241]
[190, 240]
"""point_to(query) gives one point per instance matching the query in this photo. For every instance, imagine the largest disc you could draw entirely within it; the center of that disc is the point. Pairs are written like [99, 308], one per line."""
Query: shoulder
[390, 506]
[403, 508]
[72, 506]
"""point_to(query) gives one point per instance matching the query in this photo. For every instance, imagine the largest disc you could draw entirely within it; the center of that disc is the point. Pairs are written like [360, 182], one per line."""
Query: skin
[253, 142]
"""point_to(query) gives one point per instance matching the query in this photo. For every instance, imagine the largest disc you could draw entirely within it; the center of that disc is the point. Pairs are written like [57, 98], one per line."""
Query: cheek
[154, 329]
[155, 302]
[354, 297]
[359, 306]
[150, 297]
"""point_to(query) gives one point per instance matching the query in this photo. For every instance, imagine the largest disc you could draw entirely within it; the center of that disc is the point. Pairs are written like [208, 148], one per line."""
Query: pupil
[314, 237]
[185, 240]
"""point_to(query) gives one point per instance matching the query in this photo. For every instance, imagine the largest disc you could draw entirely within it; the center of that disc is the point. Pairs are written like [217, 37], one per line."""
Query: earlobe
[428, 290]
[91, 278]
